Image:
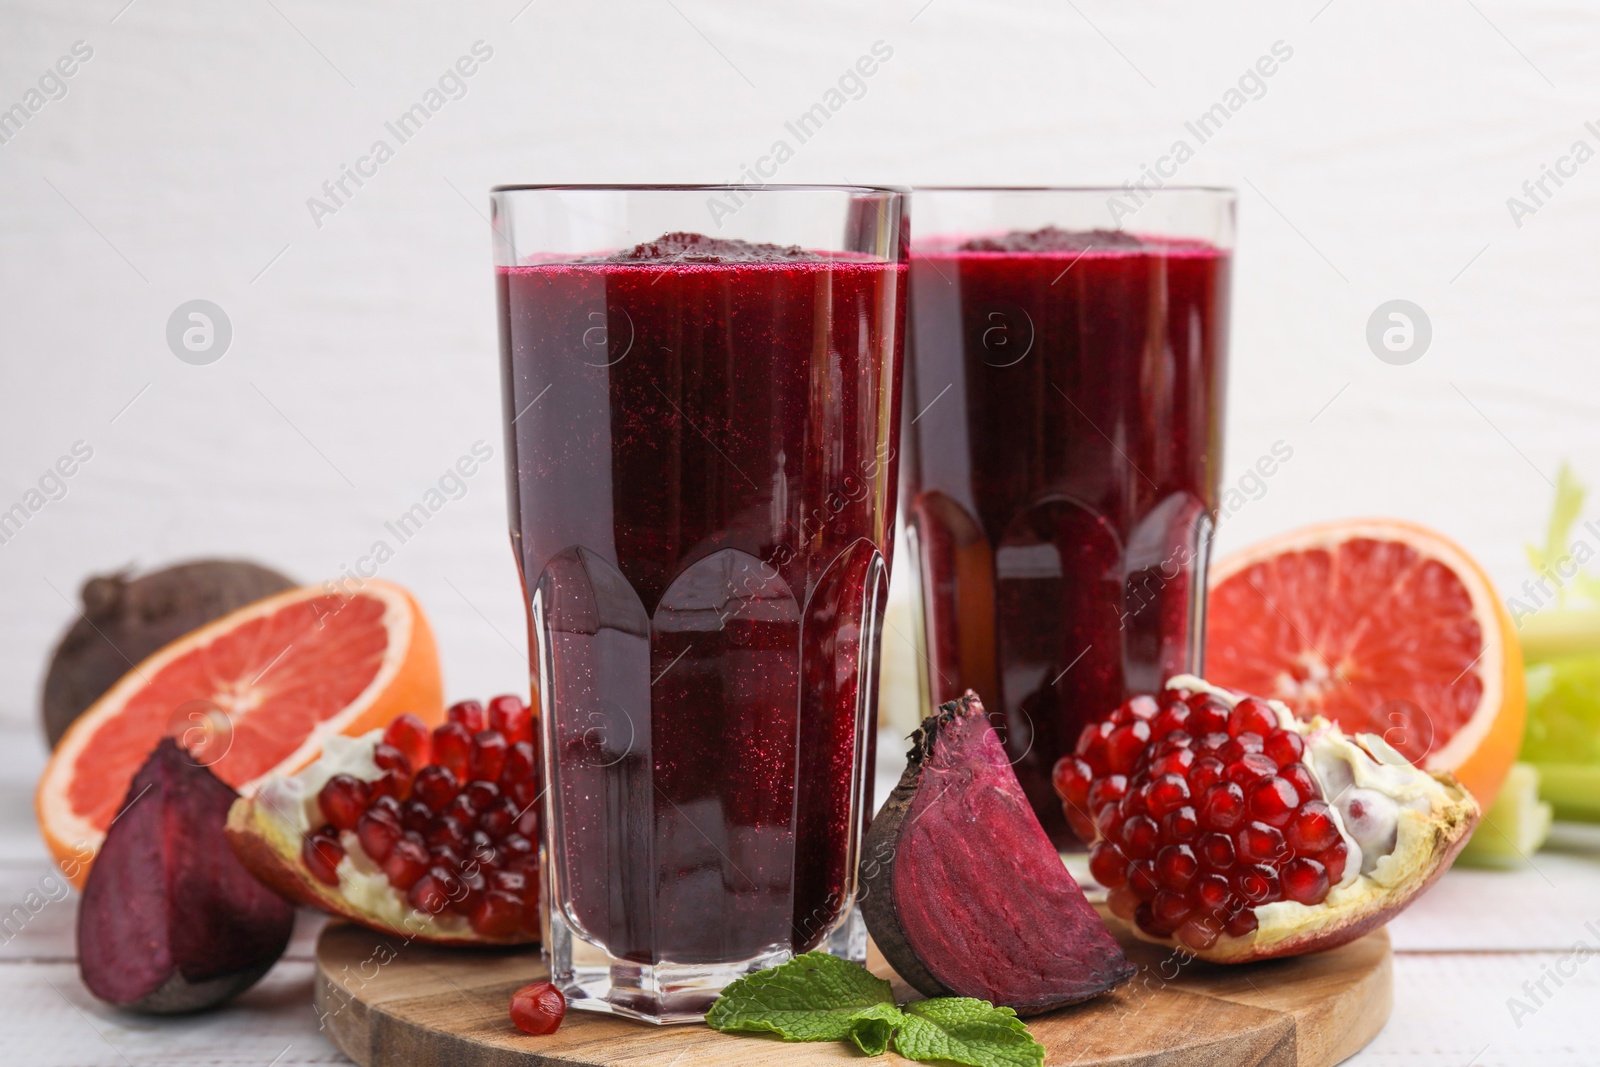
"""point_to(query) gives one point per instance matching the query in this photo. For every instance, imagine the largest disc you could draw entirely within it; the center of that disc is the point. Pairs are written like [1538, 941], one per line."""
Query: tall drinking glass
[1067, 352]
[702, 487]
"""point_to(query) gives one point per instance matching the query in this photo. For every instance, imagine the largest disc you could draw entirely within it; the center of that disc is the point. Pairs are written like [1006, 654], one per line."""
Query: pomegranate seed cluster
[450, 821]
[1199, 813]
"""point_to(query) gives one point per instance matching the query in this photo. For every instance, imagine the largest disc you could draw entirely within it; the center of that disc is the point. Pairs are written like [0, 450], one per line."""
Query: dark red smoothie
[1061, 473]
[703, 480]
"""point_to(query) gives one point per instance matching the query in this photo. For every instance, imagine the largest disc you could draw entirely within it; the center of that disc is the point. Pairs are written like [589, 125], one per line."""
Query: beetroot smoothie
[703, 510]
[1061, 473]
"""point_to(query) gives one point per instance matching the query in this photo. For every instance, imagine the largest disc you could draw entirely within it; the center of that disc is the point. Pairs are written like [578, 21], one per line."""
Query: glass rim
[691, 187]
[1222, 190]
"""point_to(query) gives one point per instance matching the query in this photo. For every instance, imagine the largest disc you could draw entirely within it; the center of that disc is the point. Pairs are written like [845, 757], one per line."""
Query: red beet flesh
[170, 920]
[962, 889]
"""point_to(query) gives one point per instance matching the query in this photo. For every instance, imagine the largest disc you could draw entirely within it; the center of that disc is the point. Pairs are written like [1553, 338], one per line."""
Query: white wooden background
[1375, 165]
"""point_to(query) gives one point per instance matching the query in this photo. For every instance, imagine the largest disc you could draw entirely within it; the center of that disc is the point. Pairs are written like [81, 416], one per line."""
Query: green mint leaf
[813, 997]
[871, 1033]
[966, 1031]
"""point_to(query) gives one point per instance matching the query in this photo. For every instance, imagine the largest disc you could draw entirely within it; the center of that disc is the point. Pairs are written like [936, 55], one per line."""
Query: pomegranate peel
[403, 848]
[1257, 868]
[963, 891]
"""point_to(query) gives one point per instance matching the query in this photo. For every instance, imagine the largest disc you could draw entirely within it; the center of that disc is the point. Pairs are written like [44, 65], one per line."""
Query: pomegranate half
[429, 836]
[1223, 823]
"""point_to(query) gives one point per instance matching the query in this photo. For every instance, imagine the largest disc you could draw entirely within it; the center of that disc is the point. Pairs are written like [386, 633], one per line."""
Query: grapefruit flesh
[1384, 627]
[253, 693]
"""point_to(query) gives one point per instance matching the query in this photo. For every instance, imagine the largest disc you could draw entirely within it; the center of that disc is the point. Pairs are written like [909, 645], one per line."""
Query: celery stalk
[1514, 827]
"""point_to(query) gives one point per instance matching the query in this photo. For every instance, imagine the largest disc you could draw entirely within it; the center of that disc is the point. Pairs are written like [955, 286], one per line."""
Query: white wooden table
[1463, 950]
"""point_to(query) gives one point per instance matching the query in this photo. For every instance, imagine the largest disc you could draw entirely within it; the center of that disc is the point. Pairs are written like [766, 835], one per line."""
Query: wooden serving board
[387, 1003]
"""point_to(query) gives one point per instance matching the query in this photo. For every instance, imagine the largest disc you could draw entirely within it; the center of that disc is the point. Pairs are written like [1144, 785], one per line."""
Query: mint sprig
[818, 997]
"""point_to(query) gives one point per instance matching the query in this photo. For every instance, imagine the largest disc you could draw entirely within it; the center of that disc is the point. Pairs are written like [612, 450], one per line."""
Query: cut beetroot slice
[962, 889]
[170, 920]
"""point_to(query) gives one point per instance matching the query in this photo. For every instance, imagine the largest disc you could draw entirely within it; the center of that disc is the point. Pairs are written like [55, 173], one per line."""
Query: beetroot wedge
[962, 890]
[170, 920]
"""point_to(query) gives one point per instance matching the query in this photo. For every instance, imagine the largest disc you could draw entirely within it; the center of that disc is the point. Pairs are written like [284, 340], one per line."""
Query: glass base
[593, 980]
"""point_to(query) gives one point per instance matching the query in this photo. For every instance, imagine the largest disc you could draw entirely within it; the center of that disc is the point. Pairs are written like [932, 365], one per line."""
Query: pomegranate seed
[387, 805]
[514, 846]
[1176, 762]
[514, 882]
[1245, 922]
[497, 914]
[1250, 767]
[498, 818]
[1108, 821]
[1210, 743]
[321, 853]
[520, 764]
[1207, 715]
[378, 834]
[1081, 824]
[1125, 744]
[411, 736]
[1132, 804]
[1211, 892]
[525, 791]
[1312, 829]
[415, 815]
[1122, 902]
[428, 893]
[1298, 775]
[1142, 707]
[463, 811]
[436, 787]
[1167, 793]
[1222, 808]
[470, 714]
[509, 715]
[1142, 880]
[1180, 826]
[1305, 881]
[389, 758]
[1107, 790]
[1205, 772]
[446, 832]
[1108, 865]
[1140, 837]
[1273, 801]
[1333, 859]
[343, 798]
[1071, 778]
[1199, 933]
[1260, 843]
[1174, 716]
[445, 856]
[452, 746]
[1216, 851]
[488, 756]
[538, 1008]
[407, 862]
[1170, 909]
[1176, 867]
[481, 794]
[1258, 884]
[1284, 747]
[1253, 715]
[1092, 742]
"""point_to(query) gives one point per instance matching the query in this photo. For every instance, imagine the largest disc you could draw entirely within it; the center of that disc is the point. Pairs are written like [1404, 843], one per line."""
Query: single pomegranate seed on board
[538, 1008]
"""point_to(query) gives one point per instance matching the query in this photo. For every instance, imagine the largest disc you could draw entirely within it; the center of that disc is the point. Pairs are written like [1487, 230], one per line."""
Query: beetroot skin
[963, 891]
[170, 920]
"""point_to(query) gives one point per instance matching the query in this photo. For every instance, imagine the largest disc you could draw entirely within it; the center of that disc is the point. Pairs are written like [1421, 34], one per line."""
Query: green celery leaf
[966, 1031]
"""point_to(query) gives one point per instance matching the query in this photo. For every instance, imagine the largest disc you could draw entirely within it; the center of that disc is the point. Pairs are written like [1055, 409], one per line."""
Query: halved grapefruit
[254, 693]
[1384, 627]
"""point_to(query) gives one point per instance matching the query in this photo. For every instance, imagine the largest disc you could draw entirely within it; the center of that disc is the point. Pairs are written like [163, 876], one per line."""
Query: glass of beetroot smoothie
[702, 391]
[1066, 363]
